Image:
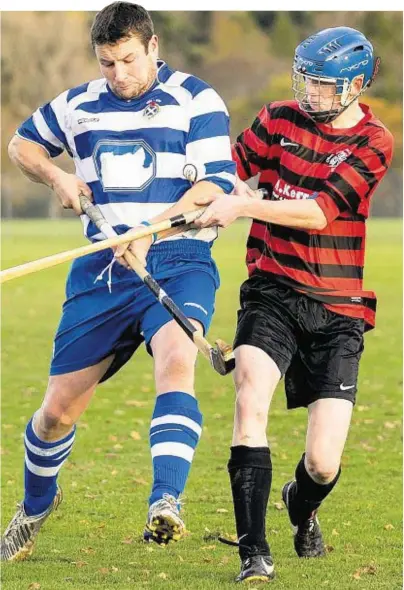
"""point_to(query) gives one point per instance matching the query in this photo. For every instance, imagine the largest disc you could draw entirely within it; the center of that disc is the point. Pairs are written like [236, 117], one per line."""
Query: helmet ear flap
[375, 70]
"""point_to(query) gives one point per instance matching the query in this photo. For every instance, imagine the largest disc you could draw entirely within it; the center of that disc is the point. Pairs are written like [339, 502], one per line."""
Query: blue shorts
[96, 323]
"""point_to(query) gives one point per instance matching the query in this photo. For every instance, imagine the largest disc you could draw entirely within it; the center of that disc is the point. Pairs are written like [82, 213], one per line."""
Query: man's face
[129, 69]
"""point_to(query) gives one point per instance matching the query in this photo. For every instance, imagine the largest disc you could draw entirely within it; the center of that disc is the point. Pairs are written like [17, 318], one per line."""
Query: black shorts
[316, 350]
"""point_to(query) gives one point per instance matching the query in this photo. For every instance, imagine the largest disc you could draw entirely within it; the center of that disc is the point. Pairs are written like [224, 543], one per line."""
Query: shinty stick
[55, 259]
[221, 357]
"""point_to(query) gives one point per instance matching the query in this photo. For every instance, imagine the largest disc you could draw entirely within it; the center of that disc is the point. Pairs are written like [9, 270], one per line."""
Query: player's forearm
[33, 161]
[186, 203]
[302, 214]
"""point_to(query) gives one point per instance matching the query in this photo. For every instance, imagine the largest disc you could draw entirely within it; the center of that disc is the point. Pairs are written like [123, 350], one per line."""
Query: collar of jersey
[340, 131]
[163, 73]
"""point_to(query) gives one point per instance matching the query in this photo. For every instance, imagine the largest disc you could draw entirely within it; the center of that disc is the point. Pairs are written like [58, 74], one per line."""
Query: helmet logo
[355, 66]
[305, 62]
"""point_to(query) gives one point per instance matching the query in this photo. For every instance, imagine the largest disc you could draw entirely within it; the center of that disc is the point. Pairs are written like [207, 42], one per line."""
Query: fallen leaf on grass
[34, 586]
[140, 481]
[221, 510]
[114, 569]
[207, 547]
[113, 438]
[118, 447]
[79, 563]
[329, 548]
[390, 425]
[163, 576]
[388, 527]
[279, 506]
[335, 532]
[87, 550]
[367, 447]
[127, 541]
[225, 560]
[135, 435]
[368, 569]
[135, 403]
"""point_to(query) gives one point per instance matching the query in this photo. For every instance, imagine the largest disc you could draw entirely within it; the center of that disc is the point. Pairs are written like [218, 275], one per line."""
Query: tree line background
[245, 56]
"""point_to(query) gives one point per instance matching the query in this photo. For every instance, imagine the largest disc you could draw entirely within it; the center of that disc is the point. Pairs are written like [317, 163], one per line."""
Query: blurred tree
[246, 56]
[284, 36]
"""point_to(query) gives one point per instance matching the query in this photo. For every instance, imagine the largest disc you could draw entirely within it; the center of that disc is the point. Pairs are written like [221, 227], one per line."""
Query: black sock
[250, 471]
[306, 495]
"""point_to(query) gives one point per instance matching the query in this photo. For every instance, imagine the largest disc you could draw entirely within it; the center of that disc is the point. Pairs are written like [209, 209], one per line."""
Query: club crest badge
[152, 109]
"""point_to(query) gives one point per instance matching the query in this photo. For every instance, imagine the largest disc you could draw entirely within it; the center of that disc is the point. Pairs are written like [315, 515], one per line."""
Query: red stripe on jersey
[304, 277]
[320, 255]
[354, 311]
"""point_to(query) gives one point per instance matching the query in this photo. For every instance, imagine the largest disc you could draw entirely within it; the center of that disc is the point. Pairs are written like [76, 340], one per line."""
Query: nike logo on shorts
[345, 387]
[285, 143]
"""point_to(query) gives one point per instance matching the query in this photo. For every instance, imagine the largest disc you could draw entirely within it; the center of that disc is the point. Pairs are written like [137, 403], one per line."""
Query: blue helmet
[334, 58]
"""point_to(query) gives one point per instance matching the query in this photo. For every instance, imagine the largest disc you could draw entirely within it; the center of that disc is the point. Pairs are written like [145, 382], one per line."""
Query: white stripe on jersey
[94, 89]
[207, 101]
[209, 150]
[170, 116]
[44, 130]
[176, 79]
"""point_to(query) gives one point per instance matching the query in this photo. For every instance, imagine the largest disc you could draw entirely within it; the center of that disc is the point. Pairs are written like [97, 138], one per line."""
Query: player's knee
[53, 423]
[251, 410]
[323, 470]
[176, 362]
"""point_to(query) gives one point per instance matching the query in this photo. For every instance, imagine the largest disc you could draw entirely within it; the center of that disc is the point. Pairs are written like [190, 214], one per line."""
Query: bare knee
[252, 409]
[176, 366]
[322, 470]
[52, 423]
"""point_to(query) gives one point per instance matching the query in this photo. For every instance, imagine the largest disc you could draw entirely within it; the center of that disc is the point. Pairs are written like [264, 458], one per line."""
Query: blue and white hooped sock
[175, 430]
[42, 463]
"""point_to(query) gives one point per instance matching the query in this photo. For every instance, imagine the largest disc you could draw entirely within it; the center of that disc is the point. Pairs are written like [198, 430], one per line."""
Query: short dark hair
[121, 20]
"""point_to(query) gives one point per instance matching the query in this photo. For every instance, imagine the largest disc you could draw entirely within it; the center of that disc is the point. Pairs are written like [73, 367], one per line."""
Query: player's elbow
[13, 149]
[319, 220]
[320, 223]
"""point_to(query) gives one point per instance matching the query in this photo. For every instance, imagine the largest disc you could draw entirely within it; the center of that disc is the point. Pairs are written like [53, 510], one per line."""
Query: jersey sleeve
[250, 151]
[208, 145]
[47, 126]
[352, 183]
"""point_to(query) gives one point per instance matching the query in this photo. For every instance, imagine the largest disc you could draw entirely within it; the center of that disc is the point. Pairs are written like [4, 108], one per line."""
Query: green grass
[93, 540]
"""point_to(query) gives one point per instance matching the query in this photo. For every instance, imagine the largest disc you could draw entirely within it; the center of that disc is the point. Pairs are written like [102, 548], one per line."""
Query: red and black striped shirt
[299, 159]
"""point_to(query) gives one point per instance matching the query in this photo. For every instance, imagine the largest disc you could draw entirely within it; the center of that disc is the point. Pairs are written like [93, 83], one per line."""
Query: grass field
[94, 540]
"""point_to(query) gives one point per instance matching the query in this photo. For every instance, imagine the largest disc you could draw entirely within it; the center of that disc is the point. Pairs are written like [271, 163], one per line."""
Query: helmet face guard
[323, 99]
[326, 69]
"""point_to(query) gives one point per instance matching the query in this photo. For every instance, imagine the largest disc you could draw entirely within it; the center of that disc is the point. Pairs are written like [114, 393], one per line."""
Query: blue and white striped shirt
[132, 153]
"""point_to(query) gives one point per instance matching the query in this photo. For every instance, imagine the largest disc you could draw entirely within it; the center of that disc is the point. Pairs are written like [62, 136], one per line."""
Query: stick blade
[222, 358]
